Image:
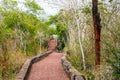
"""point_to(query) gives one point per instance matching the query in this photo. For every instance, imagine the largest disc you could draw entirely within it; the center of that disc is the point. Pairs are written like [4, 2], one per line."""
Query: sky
[50, 10]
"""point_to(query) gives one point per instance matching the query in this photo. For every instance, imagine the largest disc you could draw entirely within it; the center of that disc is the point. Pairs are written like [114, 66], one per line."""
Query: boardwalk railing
[24, 72]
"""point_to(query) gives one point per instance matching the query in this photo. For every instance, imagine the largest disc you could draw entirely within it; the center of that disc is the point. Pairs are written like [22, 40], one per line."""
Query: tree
[19, 31]
[33, 7]
[70, 16]
[97, 30]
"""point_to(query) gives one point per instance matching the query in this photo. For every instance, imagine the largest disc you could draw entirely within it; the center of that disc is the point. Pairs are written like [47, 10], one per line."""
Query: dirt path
[50, 68]
[52, 44]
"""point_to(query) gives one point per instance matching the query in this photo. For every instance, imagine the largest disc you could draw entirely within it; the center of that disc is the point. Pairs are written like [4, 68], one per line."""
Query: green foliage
[86, 10]
[111, 42]
[115, 61]
[75, 60]
[62, 35]
[110, 0]
[32, 5]
[20, 35]
[9, 4]
[110, 18]
[25, 24]
[50, 31]
[33, 8]
[52, 20]
[59, 30]
[27, 34]
[89, 75]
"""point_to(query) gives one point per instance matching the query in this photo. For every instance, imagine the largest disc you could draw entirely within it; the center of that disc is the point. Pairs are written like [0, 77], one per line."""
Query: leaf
[110, 0]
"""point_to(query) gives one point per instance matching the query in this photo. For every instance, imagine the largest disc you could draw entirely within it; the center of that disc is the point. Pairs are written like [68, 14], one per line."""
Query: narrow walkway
[50, 68]
[52, 44]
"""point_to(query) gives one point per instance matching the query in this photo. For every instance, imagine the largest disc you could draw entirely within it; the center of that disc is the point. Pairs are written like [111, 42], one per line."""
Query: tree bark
[97, 30]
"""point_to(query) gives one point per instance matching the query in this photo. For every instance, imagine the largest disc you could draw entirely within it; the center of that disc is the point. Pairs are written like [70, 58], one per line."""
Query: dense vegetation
[24, 34]
[78, 21]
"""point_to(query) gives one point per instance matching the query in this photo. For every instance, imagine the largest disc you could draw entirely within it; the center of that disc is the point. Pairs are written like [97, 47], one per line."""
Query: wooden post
[97, 30]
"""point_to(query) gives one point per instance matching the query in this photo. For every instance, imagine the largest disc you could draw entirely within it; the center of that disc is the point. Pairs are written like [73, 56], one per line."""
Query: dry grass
[10, 67]
[17, 58]
[104, 73]
[13, 64]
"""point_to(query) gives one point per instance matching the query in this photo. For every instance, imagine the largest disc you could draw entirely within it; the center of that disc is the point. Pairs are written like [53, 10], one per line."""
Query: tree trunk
[80, 44]
[97, 30]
